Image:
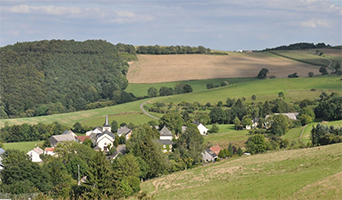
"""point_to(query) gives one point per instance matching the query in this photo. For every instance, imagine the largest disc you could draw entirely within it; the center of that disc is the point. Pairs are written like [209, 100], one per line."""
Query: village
[103, 139]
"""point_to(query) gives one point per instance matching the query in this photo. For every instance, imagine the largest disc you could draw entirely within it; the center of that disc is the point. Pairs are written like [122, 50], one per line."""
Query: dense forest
[301, 45]
[48, 77]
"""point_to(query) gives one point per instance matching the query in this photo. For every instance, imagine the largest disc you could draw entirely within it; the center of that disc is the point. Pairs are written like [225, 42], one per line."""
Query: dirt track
[167, 68]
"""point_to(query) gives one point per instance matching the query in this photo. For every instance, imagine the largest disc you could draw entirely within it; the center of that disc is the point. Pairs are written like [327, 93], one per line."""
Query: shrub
[294, 75]
[310, 74]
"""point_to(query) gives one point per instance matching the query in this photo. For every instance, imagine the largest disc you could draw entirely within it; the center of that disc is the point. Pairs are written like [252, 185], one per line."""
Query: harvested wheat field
[167, 68]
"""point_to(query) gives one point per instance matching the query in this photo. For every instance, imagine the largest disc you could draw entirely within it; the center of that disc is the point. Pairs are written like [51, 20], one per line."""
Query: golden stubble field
[167, 68]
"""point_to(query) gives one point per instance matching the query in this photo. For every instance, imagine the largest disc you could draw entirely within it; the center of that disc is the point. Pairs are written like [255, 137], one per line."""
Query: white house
[202, 129]
[49, 151]
[165, 134]
[34, 154]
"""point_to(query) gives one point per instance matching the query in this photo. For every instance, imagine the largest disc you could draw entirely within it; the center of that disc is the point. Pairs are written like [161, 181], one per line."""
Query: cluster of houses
[103, 138]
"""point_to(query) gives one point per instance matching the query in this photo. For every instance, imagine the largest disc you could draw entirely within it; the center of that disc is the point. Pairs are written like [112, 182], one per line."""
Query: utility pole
[78, 174]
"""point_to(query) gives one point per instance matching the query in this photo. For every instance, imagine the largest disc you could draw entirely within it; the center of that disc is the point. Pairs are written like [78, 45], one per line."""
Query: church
[102, 137]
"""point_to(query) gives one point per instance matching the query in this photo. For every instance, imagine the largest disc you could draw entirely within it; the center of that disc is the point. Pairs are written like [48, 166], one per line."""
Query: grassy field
[128, 112]
[268, 89]
[227, 134]
[294, 89]
[307, 132]
[140, 89]
[313, 173]
[22, 146]
[168, 68]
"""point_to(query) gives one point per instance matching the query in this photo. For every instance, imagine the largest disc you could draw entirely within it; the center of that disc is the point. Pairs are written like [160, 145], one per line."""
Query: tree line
[301, 45]
[158, 50]
[56, 76]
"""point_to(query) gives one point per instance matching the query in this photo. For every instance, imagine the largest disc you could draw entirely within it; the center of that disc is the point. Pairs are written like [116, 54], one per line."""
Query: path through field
[145, 112]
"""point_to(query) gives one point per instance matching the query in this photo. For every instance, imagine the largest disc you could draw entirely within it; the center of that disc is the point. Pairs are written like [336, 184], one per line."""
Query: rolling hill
[313, 173]
[280, 63]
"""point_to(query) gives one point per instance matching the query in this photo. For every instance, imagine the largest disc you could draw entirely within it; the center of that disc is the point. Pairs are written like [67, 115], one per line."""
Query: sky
[221, 25]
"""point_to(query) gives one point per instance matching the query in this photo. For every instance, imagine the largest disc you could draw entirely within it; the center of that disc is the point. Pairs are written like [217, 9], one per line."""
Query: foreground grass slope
[313, 173]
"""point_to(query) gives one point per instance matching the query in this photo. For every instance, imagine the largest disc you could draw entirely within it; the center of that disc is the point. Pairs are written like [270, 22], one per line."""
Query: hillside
[313, 173]
[47, 77]
[294, 90]
[168, 68]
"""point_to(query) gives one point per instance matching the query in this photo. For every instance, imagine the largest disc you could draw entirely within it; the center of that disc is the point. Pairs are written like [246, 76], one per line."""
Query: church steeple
[106, 125]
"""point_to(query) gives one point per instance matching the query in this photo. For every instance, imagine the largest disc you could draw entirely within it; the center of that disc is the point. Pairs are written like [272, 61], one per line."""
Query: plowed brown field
[167, 68]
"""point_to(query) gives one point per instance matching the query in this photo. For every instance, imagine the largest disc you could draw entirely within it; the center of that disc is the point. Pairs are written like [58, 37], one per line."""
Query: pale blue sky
[223, 25]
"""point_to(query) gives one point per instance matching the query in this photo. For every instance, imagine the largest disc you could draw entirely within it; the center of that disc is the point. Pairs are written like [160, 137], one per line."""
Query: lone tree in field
[263, 73]
[323, 70]
[310, 74]
[152, 92]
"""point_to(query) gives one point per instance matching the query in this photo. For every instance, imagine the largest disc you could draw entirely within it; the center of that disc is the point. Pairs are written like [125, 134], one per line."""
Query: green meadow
[294, 89]
[313, 173]
[130, 112]
[140, 89]
[22, 146]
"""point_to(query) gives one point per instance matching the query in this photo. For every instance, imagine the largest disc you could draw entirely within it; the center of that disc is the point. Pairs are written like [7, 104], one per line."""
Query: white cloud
[315, 23]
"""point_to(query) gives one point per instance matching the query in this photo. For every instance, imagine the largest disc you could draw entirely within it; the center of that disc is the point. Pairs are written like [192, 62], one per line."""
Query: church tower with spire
[106, 126]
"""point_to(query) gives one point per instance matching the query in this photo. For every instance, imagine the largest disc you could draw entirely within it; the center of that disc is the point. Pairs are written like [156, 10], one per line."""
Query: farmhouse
[201, 128]
[165, 139]
[35, 153]
[2, 151]
[55, 139]
[49, 151]
[211, 153]
[124, 131]
[292, 116]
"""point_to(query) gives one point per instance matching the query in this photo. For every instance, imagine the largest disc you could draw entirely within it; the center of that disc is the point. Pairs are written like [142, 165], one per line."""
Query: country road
[329, 66]
[146, 113]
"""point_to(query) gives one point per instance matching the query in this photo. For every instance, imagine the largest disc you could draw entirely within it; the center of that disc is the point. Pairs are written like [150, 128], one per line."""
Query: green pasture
[22, 146]
[313, 173]
[307, 132]
[302, 56]
[294, 89]
[140, 89]
[227, 134]
[93, 117]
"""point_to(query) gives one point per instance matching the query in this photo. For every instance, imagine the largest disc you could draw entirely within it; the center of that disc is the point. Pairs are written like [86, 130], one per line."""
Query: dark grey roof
[167, 142]
[196, 122]
[211, 153]
[165, 132]
[123, 130]
[105, 132]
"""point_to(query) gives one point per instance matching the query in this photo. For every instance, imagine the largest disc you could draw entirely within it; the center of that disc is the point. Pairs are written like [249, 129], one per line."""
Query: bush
[272, 77]
[210, 85]
[294, 75]
[224, 83]
[310, 74]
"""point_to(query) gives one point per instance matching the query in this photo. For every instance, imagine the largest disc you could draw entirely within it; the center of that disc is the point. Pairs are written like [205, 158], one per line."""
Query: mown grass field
[268, 89]
[22, 146]
[313, 173]
[227, 134]
[167, 68]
